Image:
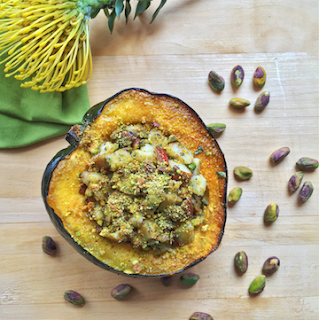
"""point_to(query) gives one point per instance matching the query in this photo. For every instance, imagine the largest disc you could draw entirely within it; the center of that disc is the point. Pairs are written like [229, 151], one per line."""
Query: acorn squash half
[159, 208]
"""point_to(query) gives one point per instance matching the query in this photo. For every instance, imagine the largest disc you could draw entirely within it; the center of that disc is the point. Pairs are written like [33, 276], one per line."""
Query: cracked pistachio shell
[189, 279]
[271, 265]
[295, 181]
[216, 128]
[305, 191]
[257, 285]
[234, 195]
[238, 103]
[242, 173]
[216, 81]
[200, 316]
[241, 261]
[259, 77]
[48, 246]
[121, 291]
[271, 213]
[262, 101]
[166, 281]
[237, 76]
[279, 154]
[74, 298]
[306, 163]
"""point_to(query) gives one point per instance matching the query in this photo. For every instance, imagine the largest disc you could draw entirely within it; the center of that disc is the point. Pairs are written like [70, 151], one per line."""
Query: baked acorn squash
[137, 191]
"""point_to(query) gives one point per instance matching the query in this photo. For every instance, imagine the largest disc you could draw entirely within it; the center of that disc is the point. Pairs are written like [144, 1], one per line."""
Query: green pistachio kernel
[257, 285]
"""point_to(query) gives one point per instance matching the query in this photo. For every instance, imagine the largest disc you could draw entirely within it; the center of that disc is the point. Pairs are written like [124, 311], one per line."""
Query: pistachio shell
[216, 82]
[48, 246]
[121, 291]
[306, 191]
[189, 279]
[257, 285]
[259, 77]
[166, 281]
[295, 181]
[234, 195]
[306, 163]
[271, 265]
[242, 173]
[279, 154]
[216, 128]
[200, 316]
[237, 76]
[262, 101]
[238, 103]
[271, 213]
[74, 298]
[241, 261]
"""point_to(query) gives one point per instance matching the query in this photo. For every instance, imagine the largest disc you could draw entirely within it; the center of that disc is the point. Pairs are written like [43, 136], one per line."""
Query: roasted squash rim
[89, 117]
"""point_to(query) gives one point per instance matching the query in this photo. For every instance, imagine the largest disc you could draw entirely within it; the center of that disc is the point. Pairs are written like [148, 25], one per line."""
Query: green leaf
[127, 10]
[94, 13]
[158, 10]
[141, 7]
[111, 20]
[106, 12]
[119, 5]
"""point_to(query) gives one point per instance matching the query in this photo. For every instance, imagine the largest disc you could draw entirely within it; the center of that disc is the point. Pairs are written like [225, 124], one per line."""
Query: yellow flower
[47, 40]
[45, 43]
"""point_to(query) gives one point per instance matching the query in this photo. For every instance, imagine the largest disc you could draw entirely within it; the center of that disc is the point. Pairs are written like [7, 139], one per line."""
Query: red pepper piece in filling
[161, 156]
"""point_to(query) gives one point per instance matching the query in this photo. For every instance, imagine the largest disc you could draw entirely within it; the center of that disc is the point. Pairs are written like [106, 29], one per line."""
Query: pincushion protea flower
[46, 42]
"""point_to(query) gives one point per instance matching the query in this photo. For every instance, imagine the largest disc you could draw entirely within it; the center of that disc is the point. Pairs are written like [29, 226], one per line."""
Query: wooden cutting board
[174, 55]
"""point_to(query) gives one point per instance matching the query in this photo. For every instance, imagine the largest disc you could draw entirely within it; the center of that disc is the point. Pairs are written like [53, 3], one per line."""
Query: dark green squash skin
[89, 117]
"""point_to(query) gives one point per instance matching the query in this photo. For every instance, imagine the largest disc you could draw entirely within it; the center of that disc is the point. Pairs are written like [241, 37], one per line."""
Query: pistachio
[279, 154]
[294, 181]
[234, 195]
[200, 316]
[199, 150]
[191, 166]
[242, 173]
[216, 128]
[306, 163]
[216, 82]
[221, 174]
[172, 138]
[238, 103]
[271, 213]
[48, 245]
[121, 291]
[259, 77]
[166, 281]
[74, 298]
[271, 265]
[237, 76]
[257, 285]
[262, 101]
[189, 279]
[241, 261]
[305, 191]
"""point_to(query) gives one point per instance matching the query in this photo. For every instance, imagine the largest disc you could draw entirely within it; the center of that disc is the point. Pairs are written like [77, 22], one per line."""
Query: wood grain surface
[174, 55]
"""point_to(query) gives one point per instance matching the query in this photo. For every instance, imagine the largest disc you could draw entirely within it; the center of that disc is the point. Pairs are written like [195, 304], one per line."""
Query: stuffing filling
[145, 188]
